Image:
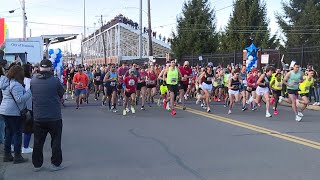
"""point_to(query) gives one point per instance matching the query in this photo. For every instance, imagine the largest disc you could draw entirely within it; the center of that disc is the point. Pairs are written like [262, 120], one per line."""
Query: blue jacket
[47, 92]
[8, 107]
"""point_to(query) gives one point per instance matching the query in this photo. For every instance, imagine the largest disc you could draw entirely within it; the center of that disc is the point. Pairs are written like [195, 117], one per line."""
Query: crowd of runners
[133, 85]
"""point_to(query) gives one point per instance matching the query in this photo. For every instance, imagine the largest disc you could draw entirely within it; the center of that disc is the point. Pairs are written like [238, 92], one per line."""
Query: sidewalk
[310, 107]
[1, 162]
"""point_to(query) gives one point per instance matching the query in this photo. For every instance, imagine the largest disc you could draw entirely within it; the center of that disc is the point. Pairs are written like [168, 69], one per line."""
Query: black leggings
[276, 95]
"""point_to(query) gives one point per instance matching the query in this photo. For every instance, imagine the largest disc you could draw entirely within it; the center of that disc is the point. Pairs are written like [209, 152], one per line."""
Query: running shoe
[124, 112]
[298, 118]
[173, 112]
[133, 111]
[280, 99]
[142, 108]
[244, 108]
[208, 110]
[268, 114]
[275, 112]
[300, 114]
[229, 112]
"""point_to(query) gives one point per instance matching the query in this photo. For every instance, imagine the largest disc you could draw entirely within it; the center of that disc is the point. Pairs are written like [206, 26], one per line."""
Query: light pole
[140, 32]
[24, 19]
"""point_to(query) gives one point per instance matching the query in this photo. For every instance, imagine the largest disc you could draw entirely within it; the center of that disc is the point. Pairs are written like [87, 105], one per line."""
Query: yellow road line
[259, 129]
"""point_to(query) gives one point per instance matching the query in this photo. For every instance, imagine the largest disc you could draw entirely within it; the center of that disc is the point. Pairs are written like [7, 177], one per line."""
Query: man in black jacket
[47, 92]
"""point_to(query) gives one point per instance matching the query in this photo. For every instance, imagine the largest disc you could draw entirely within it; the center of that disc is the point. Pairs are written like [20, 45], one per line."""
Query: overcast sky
[66, 16]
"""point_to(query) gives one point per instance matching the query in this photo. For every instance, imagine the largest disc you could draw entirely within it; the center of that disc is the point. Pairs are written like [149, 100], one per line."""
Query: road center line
[284, 136]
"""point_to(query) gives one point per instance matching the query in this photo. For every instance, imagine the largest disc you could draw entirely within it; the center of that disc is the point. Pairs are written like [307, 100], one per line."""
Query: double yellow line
[295, 139]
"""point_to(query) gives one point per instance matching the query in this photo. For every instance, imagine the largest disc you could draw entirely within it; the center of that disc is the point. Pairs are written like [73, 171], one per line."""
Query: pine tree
[195, 30]
[249, 19]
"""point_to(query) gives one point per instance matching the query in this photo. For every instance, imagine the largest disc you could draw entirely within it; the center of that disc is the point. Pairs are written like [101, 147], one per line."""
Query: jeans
[317, 94]
[40, 130]
[2, 125]
[13, 130]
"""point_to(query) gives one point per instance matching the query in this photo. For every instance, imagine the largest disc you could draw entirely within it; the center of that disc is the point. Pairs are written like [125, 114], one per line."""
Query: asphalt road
[153, 145]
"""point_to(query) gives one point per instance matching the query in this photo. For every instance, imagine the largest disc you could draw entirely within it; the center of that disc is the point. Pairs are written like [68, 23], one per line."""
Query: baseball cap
[131, 70]
[45, 63]
[254, 70]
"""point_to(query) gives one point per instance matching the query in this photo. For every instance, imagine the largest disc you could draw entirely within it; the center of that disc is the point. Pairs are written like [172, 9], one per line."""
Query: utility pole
[84, 18]
[103, 43]
[24, 19]
[140, 33]
[150, 30]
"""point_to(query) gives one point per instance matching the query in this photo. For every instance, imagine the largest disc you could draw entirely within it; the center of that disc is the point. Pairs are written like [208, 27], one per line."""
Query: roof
[58, 38]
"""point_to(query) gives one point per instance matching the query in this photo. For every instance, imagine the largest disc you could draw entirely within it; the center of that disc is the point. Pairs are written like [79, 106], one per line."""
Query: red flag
[2, 33]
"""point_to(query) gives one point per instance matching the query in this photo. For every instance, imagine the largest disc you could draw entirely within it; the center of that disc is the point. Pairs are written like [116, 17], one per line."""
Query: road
[153, 145]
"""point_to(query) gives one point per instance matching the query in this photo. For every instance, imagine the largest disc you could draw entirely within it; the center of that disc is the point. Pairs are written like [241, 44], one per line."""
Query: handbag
[24, 113]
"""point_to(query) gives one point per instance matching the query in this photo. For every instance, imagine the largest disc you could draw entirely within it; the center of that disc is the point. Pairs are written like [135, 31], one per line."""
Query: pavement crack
[178, 160]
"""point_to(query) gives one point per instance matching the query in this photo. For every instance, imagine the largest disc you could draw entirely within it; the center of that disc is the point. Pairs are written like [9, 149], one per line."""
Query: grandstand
[121, 39]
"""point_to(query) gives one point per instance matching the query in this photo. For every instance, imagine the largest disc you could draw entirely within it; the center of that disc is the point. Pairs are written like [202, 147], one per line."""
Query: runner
[110, 81]
[69, 77]
[276, 86]
[234, 86]
[206, 78]
[172, 74]
[88, 72]
[121, 74]
[151, 84]
[263, 88]
[305, 87]
[186, 73]
[292, 81]
[142, 86]
[243, 88]
[97, 82]
[80, 81]
[130, 86]
[163, 86]
[252, 86]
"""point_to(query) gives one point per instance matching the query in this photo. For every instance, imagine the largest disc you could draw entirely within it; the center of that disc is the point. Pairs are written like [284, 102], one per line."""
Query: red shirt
[81, 78]
[143, 75]
[185, 71]
[131, 84]
[152, 78]
[252, 81]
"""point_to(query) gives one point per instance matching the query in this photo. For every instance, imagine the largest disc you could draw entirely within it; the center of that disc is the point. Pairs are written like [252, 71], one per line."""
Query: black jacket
[47, 92]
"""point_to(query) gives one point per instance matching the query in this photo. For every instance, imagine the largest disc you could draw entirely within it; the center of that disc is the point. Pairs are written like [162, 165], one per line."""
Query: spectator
[160, 36]
[47, 93]
[14, 100]
[1, 118]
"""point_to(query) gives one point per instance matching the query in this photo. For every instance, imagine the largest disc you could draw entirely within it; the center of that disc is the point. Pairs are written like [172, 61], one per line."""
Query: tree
[249, 19]
[195, 30]
[300, 24]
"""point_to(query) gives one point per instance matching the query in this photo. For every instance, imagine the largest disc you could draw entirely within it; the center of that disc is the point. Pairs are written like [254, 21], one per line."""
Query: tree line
[299, 23]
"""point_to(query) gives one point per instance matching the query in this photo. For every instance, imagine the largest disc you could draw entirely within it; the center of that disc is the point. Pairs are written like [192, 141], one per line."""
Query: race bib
[307, 88]
[132, 82]
[151, 82]
[296, 82]
[113, 83]
[279, 84]
[209, 78]
[173, 80]
[98, 78]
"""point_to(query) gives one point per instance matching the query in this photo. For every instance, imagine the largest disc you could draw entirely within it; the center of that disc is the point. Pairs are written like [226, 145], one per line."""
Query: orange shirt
[81, 78]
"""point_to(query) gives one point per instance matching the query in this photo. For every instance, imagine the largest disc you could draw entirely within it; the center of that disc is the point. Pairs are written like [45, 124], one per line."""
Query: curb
[310, 107]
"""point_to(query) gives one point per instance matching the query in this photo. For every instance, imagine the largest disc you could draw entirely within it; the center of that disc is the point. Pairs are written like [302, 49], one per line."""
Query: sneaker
[185, 97]
[168, 106]
[275, 112]
[300, 114]
[27, 150]
[124, 112]
[127, 109]
[7, 157]
[133, 111]
[298, 118]
[56, 168]
[18, 159]
[142, 108]
[315, 104]
[184, 108]
[37, 169]
[281, 99]
[259, 104]
[229, 112]
[244, 108]
[268, 114]
[95, 99]
[173, 112]
[103, 104]
[159, 104]
[208, 110]
[114, 110]
[254, 108]
[318, 104]
[219, 100]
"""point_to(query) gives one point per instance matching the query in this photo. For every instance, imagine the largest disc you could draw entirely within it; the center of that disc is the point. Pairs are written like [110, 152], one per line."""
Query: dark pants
[13, 130]
[41, 129]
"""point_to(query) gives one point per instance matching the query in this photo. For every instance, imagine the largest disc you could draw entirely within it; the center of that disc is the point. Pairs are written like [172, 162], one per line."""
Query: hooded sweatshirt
[8, 106]
[47, 92]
